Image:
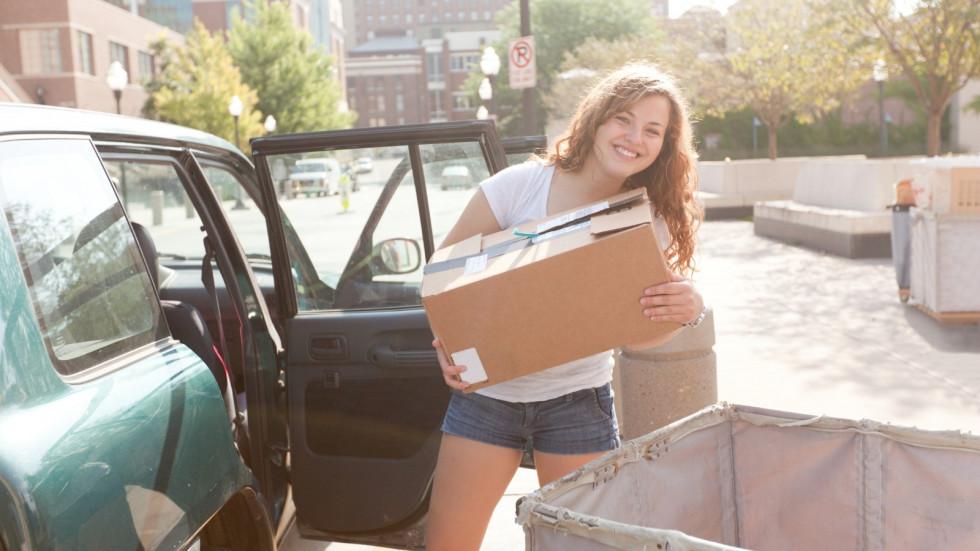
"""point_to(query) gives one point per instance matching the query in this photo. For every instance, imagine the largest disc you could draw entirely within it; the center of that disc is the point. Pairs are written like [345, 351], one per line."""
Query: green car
[191, 359]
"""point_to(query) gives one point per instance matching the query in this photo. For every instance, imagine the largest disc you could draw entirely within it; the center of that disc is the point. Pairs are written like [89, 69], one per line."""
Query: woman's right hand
[450, 373]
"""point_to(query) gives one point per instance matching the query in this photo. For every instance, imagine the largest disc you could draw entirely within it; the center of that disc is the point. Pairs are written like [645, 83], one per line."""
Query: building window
[120, 53]
[462, 101]
[370, 20]
[463, 63]
[434, 68]
[461, 17]
[40, 51]
[436, 110]
[408, 18]
[395, 18]
[435, 18]
[400, 102]
[85, 52]
[421, 18]
[146, 65]
[382, 19]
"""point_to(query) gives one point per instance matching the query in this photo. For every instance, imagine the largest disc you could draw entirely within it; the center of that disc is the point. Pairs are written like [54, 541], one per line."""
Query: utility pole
[528, 125]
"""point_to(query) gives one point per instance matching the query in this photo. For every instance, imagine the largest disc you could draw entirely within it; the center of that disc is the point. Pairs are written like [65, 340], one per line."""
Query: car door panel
[365, 392]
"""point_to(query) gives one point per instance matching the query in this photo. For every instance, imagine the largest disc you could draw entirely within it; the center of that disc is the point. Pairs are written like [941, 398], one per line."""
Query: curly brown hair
[672, 180]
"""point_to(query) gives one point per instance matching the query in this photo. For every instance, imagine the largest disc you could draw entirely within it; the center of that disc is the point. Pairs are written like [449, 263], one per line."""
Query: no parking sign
[520, 54]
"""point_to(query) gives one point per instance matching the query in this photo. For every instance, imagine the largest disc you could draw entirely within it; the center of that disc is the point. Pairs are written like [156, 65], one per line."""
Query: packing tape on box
[576, 221]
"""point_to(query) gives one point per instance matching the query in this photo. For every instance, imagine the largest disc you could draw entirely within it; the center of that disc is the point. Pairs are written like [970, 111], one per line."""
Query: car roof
[21, 118]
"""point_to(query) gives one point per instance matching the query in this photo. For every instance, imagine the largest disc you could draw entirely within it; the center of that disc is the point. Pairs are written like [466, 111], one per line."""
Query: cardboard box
[509, 304]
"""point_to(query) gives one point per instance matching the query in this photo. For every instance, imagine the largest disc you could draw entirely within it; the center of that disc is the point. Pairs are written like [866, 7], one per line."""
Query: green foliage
[788, 61]
[163, 54]
[973, 105]
[936, 46]
[295, 82]
[559, 27]
[199, 81]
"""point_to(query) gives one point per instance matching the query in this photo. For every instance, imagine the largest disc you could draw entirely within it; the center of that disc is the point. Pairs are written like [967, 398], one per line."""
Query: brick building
[409, 59]
[59, 51]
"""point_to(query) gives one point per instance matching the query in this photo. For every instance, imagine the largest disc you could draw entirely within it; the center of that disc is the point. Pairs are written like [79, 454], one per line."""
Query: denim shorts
[579, 422]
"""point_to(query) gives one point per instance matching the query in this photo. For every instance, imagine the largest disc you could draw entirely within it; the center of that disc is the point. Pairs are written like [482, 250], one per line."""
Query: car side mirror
[396, 256]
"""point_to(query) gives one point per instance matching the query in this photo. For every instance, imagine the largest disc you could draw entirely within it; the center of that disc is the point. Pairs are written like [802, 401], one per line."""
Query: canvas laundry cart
[734, 477]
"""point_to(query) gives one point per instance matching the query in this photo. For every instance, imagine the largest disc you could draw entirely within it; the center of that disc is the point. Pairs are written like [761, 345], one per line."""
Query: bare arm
[477, 218]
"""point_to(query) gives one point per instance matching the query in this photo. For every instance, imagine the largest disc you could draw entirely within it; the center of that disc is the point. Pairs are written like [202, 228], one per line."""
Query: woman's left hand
[676, 300]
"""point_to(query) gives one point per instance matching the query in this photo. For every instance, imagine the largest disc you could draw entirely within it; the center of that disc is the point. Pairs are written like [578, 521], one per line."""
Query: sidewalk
[801, 331]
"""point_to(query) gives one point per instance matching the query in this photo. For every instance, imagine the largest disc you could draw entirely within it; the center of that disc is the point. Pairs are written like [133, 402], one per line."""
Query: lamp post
[756, 123]
[235, 109]
[490, 65]
[880, 74]
[486, 94]
[117, 78]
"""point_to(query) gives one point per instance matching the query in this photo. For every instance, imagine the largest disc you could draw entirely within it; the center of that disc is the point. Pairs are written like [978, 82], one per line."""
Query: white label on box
[475, 264]
[587, 211]
[561, 232]
[474, 367]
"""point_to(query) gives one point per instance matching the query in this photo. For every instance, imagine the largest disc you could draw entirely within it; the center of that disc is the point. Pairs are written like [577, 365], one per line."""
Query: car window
[91, 293]
[364, 237]
[151, 190]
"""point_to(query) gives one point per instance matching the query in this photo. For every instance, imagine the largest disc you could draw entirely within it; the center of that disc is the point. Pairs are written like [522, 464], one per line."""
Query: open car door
[365, 393]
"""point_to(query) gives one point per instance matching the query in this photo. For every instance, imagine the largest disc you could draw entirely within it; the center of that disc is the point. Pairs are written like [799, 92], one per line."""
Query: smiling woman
[631, 131]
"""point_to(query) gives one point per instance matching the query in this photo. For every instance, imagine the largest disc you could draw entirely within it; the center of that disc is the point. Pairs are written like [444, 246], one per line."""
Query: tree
[559, 27]
[295, 82]
[163, 54]
[199, 82]
[936, 46]
[786, 60]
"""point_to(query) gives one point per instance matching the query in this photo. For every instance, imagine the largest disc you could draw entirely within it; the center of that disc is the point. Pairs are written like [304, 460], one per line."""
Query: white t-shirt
[516, 195]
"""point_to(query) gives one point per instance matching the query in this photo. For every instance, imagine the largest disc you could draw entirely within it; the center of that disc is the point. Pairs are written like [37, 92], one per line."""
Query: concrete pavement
[801, 331]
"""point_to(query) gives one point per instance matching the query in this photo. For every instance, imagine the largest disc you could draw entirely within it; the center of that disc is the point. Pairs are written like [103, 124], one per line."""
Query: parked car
[315, 177]
[127, 422]
[456, 176]
[364, 164]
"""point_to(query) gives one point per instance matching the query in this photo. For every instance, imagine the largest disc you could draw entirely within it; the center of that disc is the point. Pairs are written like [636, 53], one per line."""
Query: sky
[677, 7]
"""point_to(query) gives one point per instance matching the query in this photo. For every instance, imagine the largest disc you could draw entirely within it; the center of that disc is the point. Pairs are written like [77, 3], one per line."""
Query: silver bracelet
[697, 321]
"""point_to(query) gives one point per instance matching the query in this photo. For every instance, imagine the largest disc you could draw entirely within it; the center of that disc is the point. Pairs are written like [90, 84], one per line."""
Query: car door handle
[328, 347]
[384, 355]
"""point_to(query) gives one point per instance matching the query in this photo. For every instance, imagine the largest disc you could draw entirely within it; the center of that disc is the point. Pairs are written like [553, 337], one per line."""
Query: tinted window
[87, 279]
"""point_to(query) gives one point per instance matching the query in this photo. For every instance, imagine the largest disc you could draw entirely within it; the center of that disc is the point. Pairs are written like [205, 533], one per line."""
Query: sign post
[521, 59]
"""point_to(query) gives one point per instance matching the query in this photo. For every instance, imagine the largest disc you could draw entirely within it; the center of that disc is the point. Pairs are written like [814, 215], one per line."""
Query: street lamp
[270, 124]
[235, 109]
[117, 78]
[880, 74]
[490, 65]
[486, 94]
[756, 123]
